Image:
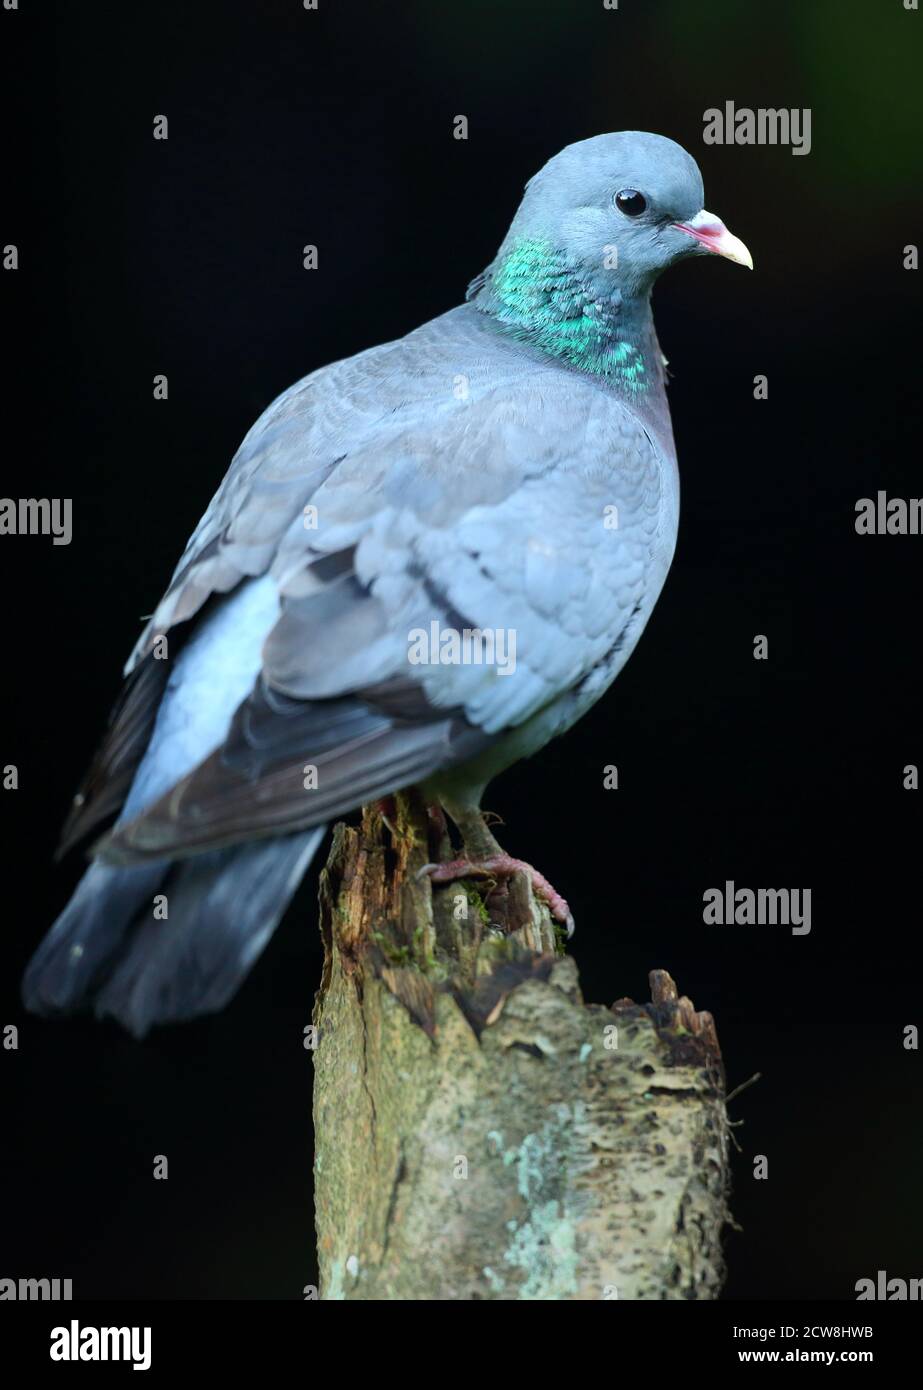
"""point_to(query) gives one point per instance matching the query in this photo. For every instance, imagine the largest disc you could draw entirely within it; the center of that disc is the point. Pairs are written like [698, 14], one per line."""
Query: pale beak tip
[711, 232]
[732, 249]
[745, 258]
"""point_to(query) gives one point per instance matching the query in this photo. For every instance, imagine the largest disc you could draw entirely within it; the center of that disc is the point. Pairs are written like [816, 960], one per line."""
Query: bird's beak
[711, 233]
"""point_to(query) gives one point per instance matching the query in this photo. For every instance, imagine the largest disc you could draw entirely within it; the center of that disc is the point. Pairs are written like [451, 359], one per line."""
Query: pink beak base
[711, 233]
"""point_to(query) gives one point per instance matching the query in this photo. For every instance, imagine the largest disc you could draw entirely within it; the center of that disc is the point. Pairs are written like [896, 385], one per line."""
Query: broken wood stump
[481, 1131]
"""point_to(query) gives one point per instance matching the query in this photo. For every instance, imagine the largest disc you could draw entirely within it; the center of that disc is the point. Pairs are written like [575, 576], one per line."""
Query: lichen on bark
[481, 1131]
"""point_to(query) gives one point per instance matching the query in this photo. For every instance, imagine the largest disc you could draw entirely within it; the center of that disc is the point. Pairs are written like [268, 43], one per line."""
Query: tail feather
[87, 937]
[109, 951]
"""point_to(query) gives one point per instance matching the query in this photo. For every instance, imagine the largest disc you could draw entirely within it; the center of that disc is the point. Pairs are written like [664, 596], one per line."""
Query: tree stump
[481, 1132]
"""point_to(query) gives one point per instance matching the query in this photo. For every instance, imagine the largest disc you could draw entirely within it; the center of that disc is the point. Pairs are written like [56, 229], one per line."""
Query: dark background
[184, 257]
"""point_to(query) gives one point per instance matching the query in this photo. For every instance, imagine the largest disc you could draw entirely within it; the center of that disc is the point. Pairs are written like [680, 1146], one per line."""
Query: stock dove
[507, 469]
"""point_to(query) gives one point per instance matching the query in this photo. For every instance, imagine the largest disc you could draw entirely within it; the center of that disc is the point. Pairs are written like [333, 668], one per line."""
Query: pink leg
[503, 866]
[386, 806]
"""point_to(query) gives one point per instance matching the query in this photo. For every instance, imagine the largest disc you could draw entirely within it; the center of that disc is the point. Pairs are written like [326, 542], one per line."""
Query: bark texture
[481, 1132]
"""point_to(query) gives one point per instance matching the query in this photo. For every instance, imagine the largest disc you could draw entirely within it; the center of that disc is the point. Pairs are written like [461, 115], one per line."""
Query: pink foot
[503, 866]
[386, 806]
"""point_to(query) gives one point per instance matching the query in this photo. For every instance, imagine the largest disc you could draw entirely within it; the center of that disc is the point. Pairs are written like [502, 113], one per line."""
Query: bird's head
[620, 208]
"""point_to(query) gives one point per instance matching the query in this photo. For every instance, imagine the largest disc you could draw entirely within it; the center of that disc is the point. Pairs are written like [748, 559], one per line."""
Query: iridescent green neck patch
[535, 294]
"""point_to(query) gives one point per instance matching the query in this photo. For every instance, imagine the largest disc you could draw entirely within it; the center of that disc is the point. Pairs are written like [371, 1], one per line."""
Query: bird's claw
[503, 866]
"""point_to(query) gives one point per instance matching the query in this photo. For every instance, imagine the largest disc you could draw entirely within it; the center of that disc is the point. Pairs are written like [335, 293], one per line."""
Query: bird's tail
[168, 940]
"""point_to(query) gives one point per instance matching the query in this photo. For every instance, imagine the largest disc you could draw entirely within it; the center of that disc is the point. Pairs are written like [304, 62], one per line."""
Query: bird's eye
[631, 202]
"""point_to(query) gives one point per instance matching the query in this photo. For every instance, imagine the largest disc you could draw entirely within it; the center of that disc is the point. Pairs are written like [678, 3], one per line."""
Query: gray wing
[456, 481]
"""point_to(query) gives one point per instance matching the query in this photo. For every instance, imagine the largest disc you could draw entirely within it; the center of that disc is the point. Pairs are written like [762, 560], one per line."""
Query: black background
[138, 257]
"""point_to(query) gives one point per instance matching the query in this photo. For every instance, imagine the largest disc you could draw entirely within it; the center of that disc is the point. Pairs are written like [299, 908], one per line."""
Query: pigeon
[424, 563]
